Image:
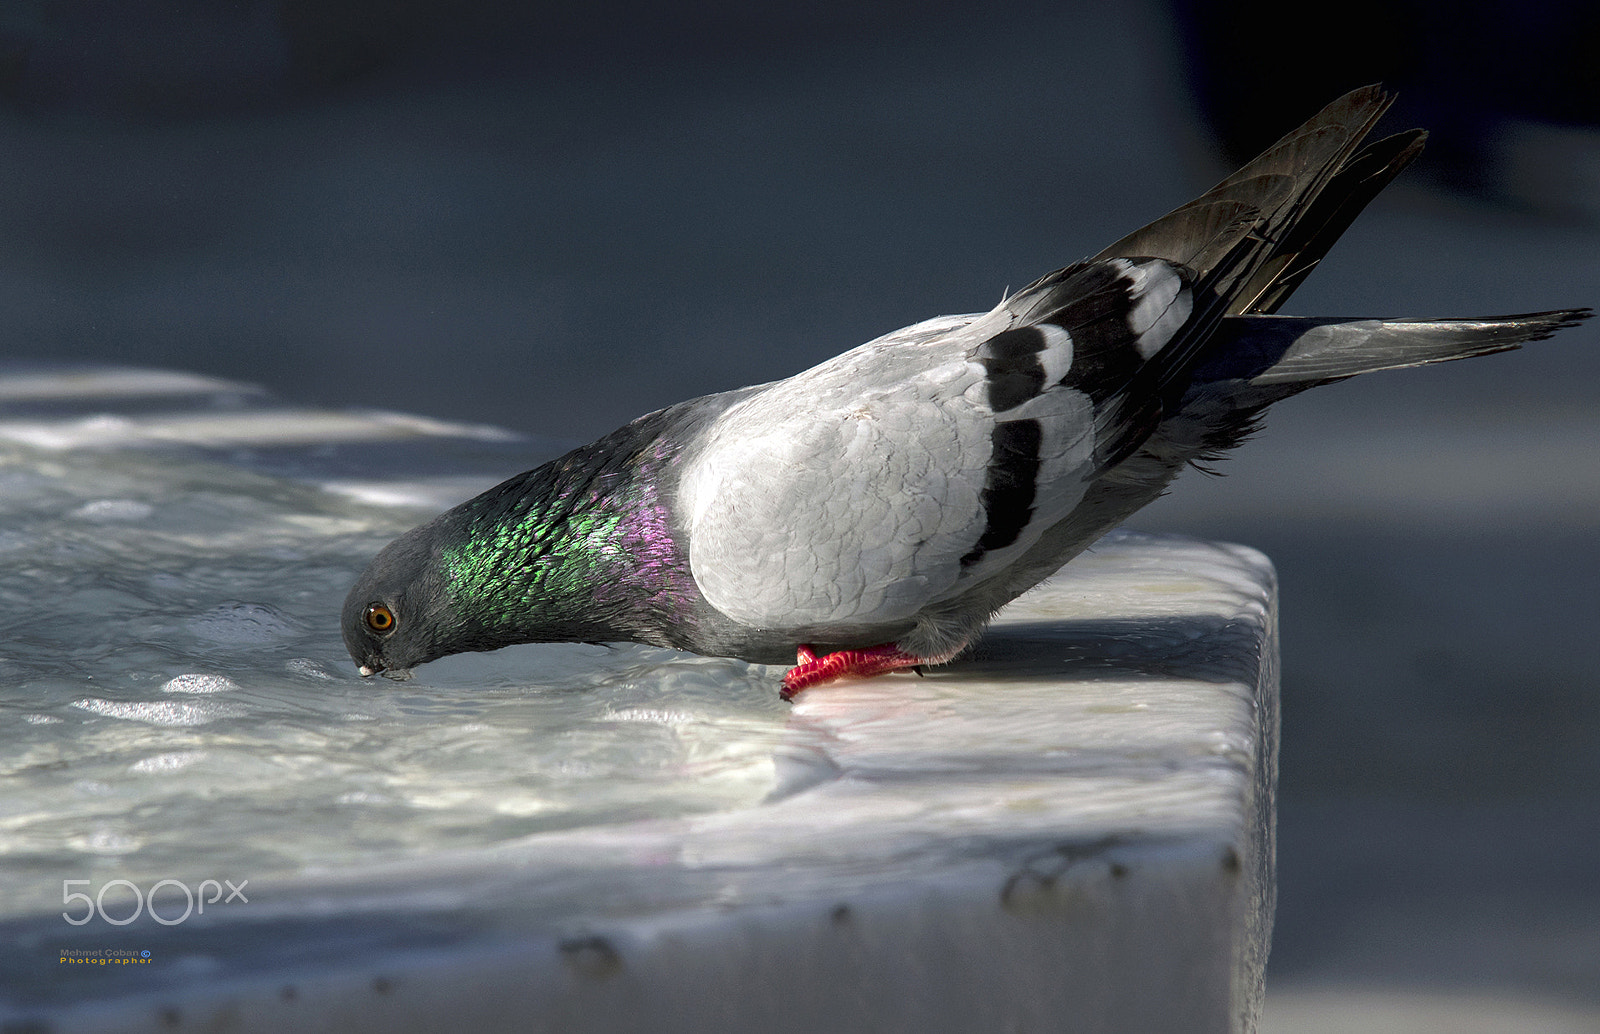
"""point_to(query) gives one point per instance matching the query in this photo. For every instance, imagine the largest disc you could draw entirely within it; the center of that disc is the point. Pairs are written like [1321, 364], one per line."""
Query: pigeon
[874, 512]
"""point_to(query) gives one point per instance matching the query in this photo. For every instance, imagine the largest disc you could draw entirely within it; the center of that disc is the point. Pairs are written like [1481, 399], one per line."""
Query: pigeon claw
[810, 669]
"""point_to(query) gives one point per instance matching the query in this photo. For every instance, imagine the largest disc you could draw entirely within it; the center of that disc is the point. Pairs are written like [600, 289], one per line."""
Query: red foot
[810, 669]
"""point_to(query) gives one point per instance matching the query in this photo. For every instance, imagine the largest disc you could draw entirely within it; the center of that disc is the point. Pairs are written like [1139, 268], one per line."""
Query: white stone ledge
[1071, 830]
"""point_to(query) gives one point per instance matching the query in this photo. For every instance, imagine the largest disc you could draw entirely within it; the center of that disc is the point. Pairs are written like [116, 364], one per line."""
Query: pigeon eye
[380, 618]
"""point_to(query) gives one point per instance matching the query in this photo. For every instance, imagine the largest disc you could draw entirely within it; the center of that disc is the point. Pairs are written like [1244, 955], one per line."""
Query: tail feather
[1232, 243]
[1360, 180]
[1232, 238]
[1279, 188]
[1299, 353]
[1251, 216]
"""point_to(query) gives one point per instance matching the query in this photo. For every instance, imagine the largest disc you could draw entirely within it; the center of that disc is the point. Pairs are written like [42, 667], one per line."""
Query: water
[178, 703]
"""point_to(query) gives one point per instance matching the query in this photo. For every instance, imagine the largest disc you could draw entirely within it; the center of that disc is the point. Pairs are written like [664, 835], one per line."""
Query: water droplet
[106, 511]
[197, 683]
[167, 762]
[161, 712]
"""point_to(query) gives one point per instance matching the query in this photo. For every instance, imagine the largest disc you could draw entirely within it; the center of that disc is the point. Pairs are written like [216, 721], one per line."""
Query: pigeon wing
[907, 470]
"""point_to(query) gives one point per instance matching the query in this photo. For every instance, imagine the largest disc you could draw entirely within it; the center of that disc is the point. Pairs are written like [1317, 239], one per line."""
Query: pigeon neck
[576, 551]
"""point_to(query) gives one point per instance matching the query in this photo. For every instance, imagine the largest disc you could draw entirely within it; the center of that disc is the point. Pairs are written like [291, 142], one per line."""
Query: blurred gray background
[556, 218]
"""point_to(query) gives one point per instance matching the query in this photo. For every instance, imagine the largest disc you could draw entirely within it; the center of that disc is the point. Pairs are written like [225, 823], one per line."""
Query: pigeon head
[397, 614]
[534, 560]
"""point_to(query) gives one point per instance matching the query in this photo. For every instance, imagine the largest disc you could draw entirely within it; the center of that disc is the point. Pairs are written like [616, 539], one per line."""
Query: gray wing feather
[850, 493]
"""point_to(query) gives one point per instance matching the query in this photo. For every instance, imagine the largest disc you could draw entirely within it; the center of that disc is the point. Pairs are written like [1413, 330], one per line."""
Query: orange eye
[380, 618]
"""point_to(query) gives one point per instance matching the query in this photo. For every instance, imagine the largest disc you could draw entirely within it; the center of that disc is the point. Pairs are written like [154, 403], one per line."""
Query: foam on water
[181, 707]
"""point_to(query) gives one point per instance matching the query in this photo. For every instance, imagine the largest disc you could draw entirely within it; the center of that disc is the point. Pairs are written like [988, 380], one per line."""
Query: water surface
[178, 704]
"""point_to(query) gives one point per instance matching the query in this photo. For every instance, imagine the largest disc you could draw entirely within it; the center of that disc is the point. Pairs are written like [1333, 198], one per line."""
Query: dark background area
[556, 218]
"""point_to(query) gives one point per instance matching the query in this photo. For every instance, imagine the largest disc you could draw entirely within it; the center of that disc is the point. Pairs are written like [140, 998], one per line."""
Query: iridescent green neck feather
[575, 550]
